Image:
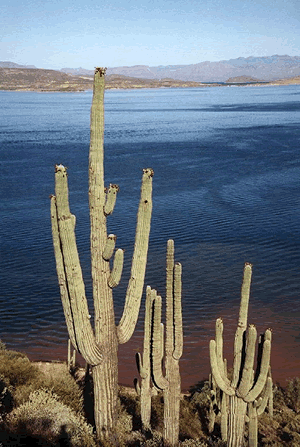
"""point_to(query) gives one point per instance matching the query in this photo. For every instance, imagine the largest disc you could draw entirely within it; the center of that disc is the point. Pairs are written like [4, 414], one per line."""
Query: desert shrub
[200, 399]
[6, 399]
[61, 383]
[155, 440]
[131, 403]
[292, 393]
[190, 425]
[122, 434]
[16, 368]
[279, 397]
[45, 417]
[157, 413]
[193, 443]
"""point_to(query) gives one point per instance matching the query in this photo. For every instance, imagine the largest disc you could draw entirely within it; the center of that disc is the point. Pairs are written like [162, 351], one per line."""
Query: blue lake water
[226, 189]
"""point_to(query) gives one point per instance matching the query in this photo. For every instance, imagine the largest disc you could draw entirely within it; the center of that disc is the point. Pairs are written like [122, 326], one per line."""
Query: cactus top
[101, 70]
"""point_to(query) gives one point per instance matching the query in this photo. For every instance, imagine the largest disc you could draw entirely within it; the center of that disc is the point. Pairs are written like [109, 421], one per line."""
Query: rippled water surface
[226, 189]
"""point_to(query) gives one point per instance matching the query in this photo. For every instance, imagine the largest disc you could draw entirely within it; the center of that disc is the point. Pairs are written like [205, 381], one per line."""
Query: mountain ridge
[268, 68]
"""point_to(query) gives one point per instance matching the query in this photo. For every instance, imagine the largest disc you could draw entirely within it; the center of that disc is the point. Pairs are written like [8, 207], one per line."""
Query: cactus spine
[171, 382]
[99, 345]
[245, 387]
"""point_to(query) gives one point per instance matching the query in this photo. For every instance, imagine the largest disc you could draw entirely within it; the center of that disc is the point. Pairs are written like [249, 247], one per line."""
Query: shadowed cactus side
[169, 347]
[99, 344]
[244, 390]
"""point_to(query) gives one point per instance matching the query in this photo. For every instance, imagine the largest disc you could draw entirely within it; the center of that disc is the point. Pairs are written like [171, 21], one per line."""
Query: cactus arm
[111, 197]
[84, 334]
[109, 247]
[63, 285]
[157, 373]
[265, 398]
[219, 342]
[144, 366]
[264, 367]
[116, 273]
[135, 287]
[150, 295]
[270, 402]
[169, 346]
[216, 370]
[219, 350]
[178, 334]
[137, 386]
[242, 323]
[142, 371]
[247, 375]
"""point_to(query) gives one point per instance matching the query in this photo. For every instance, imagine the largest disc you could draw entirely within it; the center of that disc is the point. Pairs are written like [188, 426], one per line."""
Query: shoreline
[278, 83]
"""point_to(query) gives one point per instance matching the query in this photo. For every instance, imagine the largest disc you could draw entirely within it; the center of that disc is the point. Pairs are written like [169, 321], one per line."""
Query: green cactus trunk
[172, 342]
[236, 421]
[105, 375]
[99, 345]
[172, 403]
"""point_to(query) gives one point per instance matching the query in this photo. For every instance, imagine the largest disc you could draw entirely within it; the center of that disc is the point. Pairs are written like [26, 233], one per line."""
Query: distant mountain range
[267, 68]
[7, 64]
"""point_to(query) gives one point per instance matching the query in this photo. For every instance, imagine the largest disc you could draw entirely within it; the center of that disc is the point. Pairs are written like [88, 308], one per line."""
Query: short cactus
[145, 389]
[245, 387]
[171, 347]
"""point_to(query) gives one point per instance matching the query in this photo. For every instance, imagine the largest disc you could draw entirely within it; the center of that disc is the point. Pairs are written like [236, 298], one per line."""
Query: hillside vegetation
[49, 406]
[35, 79]
[24, 79]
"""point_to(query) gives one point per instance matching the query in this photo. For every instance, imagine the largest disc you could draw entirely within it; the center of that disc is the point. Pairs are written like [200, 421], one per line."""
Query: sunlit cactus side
[245, 386]
[169, 347]
[99, 344]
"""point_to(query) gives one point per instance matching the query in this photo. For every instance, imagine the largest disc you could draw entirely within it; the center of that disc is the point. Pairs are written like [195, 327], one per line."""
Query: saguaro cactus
[245, 386]
[145, 390]
[99, 345]
[171, 382]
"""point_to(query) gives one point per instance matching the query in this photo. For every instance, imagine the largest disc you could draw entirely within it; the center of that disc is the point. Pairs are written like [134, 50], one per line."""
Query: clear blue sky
[63, 33]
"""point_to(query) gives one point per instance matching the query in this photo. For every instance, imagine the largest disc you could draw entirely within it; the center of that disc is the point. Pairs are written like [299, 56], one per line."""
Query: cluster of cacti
[246, 395]
[99, 345]
[167, 347]
[241, 399]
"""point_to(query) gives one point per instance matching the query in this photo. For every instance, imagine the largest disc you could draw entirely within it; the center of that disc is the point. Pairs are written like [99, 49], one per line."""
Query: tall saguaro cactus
[172, 348]
[99, 345]
[245, 387]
